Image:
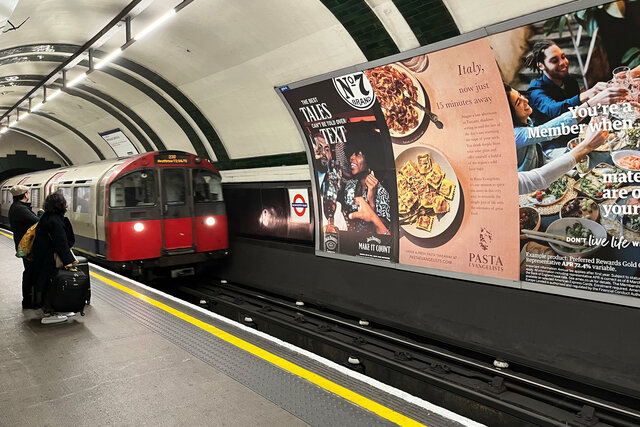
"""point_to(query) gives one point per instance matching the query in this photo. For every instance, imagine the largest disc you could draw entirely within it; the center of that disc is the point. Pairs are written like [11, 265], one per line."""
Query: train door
[101, 200]
[177, 215]
[49, 187]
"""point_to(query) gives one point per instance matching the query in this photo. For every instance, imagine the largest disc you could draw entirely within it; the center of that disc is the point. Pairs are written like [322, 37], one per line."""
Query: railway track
[470, 383]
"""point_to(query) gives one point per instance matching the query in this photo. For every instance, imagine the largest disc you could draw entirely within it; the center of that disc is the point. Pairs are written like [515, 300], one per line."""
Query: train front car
[165, 215]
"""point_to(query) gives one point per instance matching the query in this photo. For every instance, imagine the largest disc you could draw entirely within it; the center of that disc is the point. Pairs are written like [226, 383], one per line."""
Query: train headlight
[138, 226]
[210, 221]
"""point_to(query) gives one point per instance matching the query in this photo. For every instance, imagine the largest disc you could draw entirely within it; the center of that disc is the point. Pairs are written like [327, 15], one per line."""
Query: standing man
[21, 217]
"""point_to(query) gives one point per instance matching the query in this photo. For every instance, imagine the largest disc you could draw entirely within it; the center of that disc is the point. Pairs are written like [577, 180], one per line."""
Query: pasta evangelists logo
[483, 259]
[356, 90]
[485, 238]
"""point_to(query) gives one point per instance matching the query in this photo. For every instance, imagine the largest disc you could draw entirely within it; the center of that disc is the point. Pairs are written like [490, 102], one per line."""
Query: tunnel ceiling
[204, 80]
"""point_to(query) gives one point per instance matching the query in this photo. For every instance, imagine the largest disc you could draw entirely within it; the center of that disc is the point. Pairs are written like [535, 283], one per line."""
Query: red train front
[165, 214]
[152, 214]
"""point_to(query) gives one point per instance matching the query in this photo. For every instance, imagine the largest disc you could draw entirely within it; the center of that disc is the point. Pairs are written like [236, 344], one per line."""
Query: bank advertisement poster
[353, 164]
[511, 157]
[576, 125]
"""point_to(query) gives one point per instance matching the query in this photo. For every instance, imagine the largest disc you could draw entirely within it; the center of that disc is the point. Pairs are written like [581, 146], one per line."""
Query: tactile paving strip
[296, 395]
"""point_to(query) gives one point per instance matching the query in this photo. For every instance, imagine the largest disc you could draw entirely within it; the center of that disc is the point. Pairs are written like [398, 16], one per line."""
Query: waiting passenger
[53, 234]
[21, 218]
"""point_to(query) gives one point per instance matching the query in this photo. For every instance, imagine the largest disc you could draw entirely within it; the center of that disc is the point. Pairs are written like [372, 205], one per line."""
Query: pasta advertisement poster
[509, 159]
[454, 161]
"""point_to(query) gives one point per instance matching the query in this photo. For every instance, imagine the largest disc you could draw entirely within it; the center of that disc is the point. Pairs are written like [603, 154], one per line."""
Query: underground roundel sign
[299, 205]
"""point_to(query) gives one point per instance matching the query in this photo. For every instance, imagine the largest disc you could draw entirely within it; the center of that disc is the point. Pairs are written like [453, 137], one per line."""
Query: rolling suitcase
[68, 290]
[83, 265]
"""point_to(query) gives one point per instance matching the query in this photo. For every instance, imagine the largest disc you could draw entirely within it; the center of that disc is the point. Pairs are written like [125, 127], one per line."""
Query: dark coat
[549, 100]
[53, 234]
[21, 217]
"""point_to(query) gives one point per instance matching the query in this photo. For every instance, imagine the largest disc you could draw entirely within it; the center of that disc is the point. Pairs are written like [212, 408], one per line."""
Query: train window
[175, 186]
[66, 192]
[35, 197]
[101, 188]
[100, 200]
[135, 189]
[207, 186]
[81, 199]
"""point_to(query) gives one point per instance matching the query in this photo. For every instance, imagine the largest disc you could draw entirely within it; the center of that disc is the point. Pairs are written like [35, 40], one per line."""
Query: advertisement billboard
[510, 159]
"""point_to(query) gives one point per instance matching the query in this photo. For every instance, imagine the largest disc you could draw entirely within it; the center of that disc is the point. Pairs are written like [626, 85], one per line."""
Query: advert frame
[479, 33]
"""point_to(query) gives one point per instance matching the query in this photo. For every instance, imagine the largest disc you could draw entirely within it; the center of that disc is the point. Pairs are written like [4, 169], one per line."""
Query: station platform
[142, 357]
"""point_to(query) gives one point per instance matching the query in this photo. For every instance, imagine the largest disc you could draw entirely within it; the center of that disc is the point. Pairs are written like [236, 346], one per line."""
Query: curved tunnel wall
[23, 143]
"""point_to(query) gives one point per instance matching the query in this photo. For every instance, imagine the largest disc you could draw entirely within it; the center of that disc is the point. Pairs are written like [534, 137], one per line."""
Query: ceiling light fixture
[77, 80]
[87, 47]
[155, 24]
[37, 107]
[107, 59]
[53, 95]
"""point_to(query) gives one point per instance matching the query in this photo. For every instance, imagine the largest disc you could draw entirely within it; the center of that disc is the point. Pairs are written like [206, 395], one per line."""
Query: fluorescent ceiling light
[37, 107]
[77, 80]
[107, 59]
[24, 115]
[13, 123]
[153, 26]
[4, 130]
[54, 94]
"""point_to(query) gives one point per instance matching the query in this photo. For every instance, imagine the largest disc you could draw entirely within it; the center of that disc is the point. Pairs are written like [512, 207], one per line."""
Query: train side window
[82, 199]
[207, 186]
[134, 189]
[66, 192]
[35, 197]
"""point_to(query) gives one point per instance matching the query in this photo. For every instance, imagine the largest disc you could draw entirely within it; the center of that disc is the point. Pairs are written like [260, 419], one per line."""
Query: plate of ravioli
[428, 192]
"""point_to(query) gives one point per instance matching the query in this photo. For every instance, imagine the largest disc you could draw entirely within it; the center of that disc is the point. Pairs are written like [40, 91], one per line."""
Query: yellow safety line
[316, 379]
[7, 235]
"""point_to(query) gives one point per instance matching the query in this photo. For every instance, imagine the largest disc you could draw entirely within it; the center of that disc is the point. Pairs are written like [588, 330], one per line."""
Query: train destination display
[450, 162]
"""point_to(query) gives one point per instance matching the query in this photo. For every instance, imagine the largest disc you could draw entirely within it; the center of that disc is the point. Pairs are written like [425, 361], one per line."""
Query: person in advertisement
[328, 178]
[366, 201]
[554, 91]
[542, 177]
[530, 137]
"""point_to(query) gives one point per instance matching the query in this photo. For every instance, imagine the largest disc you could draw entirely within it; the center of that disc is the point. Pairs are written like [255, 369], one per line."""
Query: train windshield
[206, 186]
[134, 189]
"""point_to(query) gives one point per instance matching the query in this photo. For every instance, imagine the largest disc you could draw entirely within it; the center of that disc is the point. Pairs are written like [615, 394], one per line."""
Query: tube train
[150, 215]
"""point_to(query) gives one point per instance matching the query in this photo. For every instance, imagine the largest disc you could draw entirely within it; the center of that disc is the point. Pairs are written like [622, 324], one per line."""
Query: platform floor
[140, 357]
